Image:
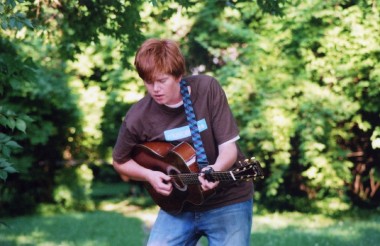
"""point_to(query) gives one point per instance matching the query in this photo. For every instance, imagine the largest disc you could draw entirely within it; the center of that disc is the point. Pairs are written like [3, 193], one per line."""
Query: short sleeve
[125, 142]
[223, 122]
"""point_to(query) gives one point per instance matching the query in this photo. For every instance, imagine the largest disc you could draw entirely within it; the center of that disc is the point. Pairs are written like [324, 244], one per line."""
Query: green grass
[126, 225]
[303, 229]
[96, 228]
[125, 220]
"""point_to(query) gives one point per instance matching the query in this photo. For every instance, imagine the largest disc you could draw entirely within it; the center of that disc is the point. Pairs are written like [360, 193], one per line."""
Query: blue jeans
[229, 225]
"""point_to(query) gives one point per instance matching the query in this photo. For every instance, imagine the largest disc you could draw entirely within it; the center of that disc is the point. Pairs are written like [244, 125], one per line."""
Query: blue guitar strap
[195, 135]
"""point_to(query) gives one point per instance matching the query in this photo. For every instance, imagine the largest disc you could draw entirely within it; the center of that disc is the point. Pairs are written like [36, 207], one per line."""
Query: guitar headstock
[249, 168]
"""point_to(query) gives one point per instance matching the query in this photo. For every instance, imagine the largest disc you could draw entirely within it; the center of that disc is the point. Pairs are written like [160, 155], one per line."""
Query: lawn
[119, 224]
[96, 228]
[124, 222]
[303, 229]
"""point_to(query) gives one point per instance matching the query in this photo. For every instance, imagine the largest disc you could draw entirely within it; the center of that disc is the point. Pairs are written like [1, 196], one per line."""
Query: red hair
[159, 56]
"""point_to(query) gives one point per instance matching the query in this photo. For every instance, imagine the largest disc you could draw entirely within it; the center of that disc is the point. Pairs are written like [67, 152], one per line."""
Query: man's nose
[156, 86]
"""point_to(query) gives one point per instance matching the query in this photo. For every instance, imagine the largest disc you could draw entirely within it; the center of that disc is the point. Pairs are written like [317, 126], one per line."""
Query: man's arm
[226, 158]
[132, 170]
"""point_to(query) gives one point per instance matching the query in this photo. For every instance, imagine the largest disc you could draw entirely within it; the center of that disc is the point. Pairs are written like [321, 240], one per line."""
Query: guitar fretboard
[192, 178]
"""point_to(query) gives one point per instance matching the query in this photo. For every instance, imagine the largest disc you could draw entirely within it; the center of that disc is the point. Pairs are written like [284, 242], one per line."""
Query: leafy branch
[9, 120]
[11, 18]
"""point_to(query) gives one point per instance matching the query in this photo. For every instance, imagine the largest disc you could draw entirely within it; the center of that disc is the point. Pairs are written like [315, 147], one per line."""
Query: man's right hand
[160, 182]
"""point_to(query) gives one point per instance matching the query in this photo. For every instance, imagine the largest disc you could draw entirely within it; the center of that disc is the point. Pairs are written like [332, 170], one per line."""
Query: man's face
[164, 89]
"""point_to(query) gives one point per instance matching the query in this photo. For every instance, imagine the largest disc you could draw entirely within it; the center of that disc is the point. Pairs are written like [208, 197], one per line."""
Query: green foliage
[6, 146]
[73, 188]
[14, 72]
[98, 72]
[304, 89]
[299, 87]
[272, 7]
[55, 134]
[75, 24]
[47, 126]
[9, 120]
[11, 17]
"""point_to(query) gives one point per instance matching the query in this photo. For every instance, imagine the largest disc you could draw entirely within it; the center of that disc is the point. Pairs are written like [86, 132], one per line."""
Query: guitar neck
[192, 178]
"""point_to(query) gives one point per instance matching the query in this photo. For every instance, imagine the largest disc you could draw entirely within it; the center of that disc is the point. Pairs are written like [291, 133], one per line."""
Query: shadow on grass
[96, 228]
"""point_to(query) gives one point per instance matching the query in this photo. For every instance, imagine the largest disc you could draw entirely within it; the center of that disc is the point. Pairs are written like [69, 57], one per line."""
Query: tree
[285, 77]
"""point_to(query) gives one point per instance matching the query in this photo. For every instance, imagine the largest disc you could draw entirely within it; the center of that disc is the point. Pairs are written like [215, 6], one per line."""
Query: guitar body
[172, 160]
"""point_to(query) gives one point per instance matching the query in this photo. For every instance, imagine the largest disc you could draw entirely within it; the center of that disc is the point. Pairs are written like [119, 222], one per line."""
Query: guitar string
[192, 178]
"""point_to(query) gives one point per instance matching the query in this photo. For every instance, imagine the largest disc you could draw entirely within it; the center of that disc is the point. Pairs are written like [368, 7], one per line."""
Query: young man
[225, 218]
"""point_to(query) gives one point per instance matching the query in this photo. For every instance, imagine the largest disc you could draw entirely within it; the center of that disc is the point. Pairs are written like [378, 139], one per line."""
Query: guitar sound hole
[176, 180]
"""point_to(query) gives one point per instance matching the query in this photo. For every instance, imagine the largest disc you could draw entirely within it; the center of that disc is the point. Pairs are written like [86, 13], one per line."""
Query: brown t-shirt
[148, 121]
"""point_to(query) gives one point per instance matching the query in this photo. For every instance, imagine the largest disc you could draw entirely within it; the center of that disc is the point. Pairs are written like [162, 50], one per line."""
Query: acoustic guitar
[179, 162]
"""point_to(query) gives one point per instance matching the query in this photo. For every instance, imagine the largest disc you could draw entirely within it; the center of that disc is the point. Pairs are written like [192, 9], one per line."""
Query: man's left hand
[205, 183]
